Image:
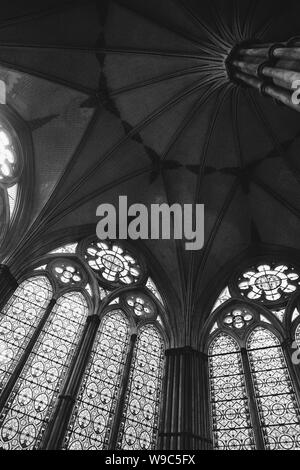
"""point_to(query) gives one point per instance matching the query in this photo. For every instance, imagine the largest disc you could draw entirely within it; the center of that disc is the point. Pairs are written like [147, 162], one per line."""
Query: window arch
[64, 293]
[90, 425]
[275, 396]
[11, 168]
[231, 420]
[26, 415]
[140, 424]
[297, 335]
[252, 326]
[19, 318]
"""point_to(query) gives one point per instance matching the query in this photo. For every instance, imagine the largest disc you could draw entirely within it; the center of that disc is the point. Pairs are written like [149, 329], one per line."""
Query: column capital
[186, 351]
[93, 319]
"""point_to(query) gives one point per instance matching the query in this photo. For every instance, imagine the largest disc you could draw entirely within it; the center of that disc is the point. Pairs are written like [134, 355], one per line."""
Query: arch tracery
[256, 325]
[42, 370]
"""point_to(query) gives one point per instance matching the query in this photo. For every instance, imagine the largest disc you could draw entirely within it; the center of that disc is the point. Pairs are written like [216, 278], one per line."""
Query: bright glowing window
[8, 157]
[232, 429]
[140, 425]
[27, 412]
[113, 263]
[268, 282]
[19, 319]
[41, 343]
[90, 425]
[276, 401]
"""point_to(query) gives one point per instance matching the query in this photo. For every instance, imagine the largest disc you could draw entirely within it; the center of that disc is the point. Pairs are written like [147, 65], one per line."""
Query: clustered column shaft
[273, 69]
[185, 411]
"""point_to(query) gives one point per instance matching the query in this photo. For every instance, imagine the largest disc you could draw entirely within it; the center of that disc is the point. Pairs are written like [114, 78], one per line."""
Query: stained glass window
[238, 318]
[214, 328]
[141, 305]
[19, 319]
[69, 248]
[295, 314]
[223, 297]
[24, 418]
[89, 289]
[12, 196]
[232, 429]
[269, 282]
[103, 292]
[297, 335]
[113, 263]
[92, 418]
[8, 157]
[279, 313]
[43, 342]
[140, 424]
[277, 405]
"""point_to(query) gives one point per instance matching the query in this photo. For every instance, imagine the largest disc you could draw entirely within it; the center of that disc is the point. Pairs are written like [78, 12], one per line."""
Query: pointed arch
[28, 409]
[19, 319]
[73, 385]
[297, 335]
[274, 392]
[140, 424]
[90, 424]
[231, 422]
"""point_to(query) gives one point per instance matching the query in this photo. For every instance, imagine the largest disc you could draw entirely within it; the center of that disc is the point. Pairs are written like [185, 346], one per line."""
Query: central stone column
[273, 69]
[185, 410]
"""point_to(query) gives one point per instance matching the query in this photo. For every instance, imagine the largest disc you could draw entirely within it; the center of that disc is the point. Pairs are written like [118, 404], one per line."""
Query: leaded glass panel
[140, 425]
[277, 405]
[297, 335]
[12, 197]
[19, 319]
[92, 418]
[152, 287]
[268, 282]
[8, 156]
[28, 410]
[231, 422]
[223, 297]
[295, 314]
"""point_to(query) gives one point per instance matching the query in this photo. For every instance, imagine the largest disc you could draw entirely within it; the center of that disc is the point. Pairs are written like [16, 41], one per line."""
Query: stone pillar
[8, 284]
[185, 410]
[272, 69]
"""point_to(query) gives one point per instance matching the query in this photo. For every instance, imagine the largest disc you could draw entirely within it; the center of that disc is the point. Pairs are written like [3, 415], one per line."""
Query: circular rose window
[113, 263]
[269, 282]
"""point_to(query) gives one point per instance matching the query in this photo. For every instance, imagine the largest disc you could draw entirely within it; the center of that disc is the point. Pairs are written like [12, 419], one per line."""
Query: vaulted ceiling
[131, 97]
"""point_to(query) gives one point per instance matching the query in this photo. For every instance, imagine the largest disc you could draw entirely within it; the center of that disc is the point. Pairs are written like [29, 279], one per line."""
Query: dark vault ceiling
[132, 97]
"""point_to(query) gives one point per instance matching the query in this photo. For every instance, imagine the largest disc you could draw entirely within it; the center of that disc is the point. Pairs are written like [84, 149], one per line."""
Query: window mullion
[122, 397]
[252, 401]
